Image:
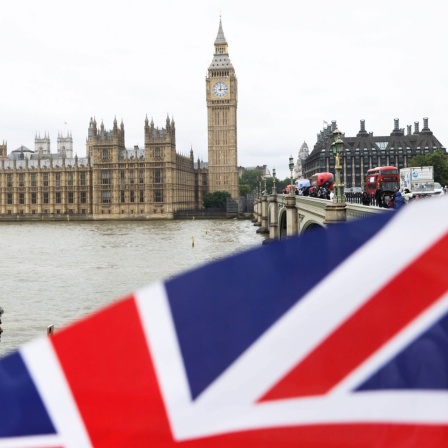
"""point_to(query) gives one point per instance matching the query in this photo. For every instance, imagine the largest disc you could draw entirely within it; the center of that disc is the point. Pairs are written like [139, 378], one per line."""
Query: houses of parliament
[113, 181]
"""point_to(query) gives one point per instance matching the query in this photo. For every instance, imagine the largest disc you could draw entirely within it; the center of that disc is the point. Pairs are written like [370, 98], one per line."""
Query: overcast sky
[298, 63]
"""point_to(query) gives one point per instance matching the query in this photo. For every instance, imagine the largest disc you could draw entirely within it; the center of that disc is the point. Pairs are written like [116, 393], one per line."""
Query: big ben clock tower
[222, 99]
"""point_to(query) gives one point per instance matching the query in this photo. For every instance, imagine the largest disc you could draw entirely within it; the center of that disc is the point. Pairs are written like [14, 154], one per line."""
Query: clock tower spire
[222, 99]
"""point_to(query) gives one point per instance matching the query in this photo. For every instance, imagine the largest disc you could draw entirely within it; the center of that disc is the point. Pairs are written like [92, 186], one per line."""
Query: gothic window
[158, 176]
[105, 197]
[122, 197]
[158, 195]
[45, 179]
[142, 196]
[33, 198]
[105, 177]
[46, 198]
[131, 177]
[70, 197]
[141, 176]
[33, 179]
[58, 179]
[132, 196]
[157, 153]
[9, 198]
[58, 197]
[21, 180]
[9, 180]
[105, 154]
[83, 179]
[70, 179]
[83, 197]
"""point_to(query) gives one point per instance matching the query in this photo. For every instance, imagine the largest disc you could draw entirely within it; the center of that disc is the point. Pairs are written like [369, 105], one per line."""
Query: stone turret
[3, 151]
[42, 144]
[65, 145]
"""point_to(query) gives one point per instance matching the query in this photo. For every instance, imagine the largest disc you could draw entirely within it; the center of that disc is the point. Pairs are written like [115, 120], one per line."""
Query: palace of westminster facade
[113, 182]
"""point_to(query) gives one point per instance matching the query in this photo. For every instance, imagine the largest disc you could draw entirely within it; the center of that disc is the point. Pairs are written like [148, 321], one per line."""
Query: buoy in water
[192, 241]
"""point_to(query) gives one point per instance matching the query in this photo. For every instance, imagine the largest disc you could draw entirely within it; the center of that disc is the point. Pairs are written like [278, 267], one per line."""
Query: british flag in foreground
[346, 349]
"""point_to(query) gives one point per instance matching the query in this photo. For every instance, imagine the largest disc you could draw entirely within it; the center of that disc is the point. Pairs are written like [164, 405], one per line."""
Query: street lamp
[291, 167]
[337, 148]
[264, 178]
[273, 181]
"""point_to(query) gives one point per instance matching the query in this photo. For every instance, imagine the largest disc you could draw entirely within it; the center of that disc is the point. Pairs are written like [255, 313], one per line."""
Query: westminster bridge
[283, 215]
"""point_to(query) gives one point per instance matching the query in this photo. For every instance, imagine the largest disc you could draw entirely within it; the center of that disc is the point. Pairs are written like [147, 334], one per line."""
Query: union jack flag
[335, 338]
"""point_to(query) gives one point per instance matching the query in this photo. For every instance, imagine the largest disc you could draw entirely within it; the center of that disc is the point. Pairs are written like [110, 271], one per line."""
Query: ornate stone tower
[302, 156]
[222, 99]
[42, 145]
[3, 151]
[65, 145]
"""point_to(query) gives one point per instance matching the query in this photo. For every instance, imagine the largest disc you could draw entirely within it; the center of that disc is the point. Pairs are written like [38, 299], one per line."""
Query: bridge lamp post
[265, 190]
[338, 147]
[273, 181]
[291, 167]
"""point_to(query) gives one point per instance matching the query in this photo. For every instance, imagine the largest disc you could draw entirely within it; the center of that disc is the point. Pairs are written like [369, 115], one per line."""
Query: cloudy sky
[298, 63]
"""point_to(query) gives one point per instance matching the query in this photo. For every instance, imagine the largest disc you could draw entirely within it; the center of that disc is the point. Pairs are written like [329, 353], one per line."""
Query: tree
[245, 189]
[438, 159]
[249, 181]
[282, 184]
[217, 199]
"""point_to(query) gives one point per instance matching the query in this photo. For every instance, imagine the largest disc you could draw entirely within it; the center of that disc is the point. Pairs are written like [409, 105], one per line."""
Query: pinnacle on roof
[221, 58]
[220, 38]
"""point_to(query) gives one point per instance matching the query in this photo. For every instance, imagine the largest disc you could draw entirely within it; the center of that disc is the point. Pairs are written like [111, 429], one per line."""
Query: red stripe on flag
[330, 436]
[382, 317]
[110, 372]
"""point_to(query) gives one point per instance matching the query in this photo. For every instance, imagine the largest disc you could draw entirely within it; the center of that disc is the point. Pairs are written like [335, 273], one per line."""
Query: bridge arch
[282, 232]
[311, 225]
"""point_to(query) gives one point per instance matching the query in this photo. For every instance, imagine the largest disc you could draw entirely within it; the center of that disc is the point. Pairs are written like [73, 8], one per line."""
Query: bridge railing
[308, 212]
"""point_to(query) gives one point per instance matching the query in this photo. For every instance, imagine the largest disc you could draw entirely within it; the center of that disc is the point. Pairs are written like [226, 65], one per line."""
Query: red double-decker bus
[322, 180]
[386, 177]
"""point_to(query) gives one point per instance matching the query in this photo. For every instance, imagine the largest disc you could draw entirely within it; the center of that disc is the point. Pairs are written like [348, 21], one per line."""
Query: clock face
[220, 89]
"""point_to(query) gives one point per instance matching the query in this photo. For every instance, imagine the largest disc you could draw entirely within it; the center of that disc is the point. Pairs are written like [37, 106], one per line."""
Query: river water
[55, 273]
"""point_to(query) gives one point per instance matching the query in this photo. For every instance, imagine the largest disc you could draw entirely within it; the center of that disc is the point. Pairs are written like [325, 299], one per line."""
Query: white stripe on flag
[51, 383]
[394, 346]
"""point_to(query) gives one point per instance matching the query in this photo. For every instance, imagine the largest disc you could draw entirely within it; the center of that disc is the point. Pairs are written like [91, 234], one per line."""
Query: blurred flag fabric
[334, 338]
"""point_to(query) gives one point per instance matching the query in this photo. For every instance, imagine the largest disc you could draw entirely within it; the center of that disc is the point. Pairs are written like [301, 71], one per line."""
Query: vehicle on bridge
[302, 183]
[385, 177]
[322, 180]
[354, 190]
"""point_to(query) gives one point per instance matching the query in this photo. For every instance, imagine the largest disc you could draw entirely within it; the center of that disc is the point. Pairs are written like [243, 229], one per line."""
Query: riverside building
[365, 151]
[115, 182]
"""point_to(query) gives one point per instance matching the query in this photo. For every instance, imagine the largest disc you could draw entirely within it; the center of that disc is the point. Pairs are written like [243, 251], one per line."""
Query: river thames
[55, 273]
